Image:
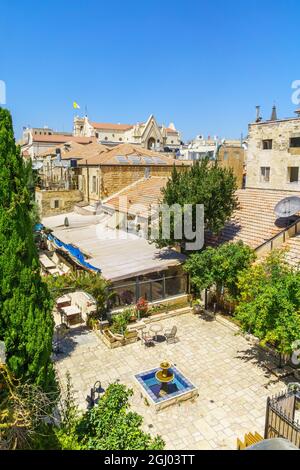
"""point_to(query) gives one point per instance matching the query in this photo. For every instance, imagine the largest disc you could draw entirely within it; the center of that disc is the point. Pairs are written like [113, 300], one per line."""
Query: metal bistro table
[156, 328]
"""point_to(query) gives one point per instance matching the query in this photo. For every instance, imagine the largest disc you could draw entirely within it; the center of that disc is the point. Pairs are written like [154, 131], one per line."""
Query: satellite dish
[287, 206]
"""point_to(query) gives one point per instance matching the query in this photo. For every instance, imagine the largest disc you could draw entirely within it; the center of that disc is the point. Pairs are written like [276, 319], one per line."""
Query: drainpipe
[87, 181]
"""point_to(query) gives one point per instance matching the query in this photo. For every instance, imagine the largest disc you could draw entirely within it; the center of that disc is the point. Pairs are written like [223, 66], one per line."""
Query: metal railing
[277, 240]
[280, 418]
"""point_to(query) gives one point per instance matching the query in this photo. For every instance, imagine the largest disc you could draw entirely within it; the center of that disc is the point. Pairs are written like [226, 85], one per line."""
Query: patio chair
[147, 339]
[170, 334]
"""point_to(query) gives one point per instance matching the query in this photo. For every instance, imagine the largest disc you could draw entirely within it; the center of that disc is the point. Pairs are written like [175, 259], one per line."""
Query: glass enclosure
[154, 287]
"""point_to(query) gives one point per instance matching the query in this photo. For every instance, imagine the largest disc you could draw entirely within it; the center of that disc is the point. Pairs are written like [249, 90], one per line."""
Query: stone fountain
[164, 376]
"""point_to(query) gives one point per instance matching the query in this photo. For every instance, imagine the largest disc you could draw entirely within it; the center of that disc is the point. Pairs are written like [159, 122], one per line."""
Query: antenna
[287, 207]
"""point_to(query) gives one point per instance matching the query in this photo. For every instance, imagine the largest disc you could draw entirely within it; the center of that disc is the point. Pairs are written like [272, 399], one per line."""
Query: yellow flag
[76, 105]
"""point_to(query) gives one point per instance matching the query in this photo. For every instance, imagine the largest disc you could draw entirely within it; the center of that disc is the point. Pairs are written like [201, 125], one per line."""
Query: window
[106, 138]
[293, 174]
[54, 204]
[94, 184]
[97, 135]
[267, 144]
[264, 174]
[120, 139]
[295, 142]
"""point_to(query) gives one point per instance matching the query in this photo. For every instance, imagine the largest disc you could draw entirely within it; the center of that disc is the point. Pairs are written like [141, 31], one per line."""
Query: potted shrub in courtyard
[120, 322]
[141, 307]
[93, 323]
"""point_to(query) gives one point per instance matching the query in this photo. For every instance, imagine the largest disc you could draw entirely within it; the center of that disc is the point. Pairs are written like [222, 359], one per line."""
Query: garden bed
[112, 342]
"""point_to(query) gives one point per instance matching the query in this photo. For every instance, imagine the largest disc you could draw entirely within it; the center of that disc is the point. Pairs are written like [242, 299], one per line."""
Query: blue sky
[203, 64]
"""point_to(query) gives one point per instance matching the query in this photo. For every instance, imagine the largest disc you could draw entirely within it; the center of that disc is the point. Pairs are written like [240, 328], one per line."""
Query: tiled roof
[111, 126]
[254, 222]
[292, 247]
[61, 138]
[75, 150]
[140, 194]
[125, 150]
[171, 131]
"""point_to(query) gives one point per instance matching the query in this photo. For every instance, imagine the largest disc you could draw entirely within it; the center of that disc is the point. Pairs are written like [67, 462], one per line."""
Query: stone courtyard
[233, 383]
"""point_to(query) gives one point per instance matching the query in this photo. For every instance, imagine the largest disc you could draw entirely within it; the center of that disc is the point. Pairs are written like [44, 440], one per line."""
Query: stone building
[233, 157]
[110, 172]
[35, 141]
[95, 172]
[228, 152]
[148, 134]
[273, 154]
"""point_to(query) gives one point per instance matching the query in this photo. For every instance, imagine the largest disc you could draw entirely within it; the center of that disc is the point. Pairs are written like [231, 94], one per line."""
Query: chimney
[258, 117]
[274, 114]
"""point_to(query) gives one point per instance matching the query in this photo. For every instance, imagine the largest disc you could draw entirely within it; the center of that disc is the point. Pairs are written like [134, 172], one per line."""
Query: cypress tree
[26, 322]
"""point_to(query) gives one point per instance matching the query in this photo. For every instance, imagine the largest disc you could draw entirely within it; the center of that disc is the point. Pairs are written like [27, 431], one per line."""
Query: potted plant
[141, 307]
[197, 306]
[93, 323]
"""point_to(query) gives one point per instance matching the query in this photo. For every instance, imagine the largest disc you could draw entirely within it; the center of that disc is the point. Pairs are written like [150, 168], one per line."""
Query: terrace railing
[279, 239]
[280, 418]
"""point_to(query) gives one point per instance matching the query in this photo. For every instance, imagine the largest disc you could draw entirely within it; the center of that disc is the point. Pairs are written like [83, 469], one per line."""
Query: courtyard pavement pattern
[233, 384]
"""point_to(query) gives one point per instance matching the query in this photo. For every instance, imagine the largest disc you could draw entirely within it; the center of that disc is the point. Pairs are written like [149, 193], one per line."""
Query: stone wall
[53, 202]
[111, 179]
[279, 158]
[115, 178]
[234, 158]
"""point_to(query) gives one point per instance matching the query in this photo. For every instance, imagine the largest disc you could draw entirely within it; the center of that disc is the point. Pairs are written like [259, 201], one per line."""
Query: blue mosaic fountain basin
[179, 389]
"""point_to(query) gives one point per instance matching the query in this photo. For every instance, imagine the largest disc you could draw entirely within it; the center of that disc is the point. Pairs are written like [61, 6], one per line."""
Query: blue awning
[74, 252]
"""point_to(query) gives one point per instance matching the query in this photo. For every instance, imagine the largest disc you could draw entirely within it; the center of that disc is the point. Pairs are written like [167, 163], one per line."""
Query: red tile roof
[110, 126]
[125, 150]
[254, 222]
[141, 195]
[77, 151]
[61, 139]
[171, 131]
[292, 247]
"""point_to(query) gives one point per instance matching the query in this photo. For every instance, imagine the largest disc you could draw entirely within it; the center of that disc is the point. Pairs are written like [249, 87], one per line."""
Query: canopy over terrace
[117, 254]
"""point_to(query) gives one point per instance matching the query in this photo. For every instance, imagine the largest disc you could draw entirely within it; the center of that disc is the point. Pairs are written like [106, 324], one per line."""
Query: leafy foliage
[93, 284]
[26, 322]
[120, 321]
[204, 183]
[269, 302]
[23, 410]
[109, 426]
[219, 267]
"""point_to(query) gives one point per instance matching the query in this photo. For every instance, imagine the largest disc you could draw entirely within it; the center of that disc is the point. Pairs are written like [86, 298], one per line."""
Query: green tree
[269, 302]
[26, 322]
[109, 426]
[219, 267]
[204, 183]
[91, 283]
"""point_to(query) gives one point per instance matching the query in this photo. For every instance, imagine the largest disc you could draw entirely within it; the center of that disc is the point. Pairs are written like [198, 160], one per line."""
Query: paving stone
[232, 389]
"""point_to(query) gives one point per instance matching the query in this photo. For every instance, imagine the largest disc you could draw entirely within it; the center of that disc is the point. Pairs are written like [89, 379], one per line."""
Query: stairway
[249, 440]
